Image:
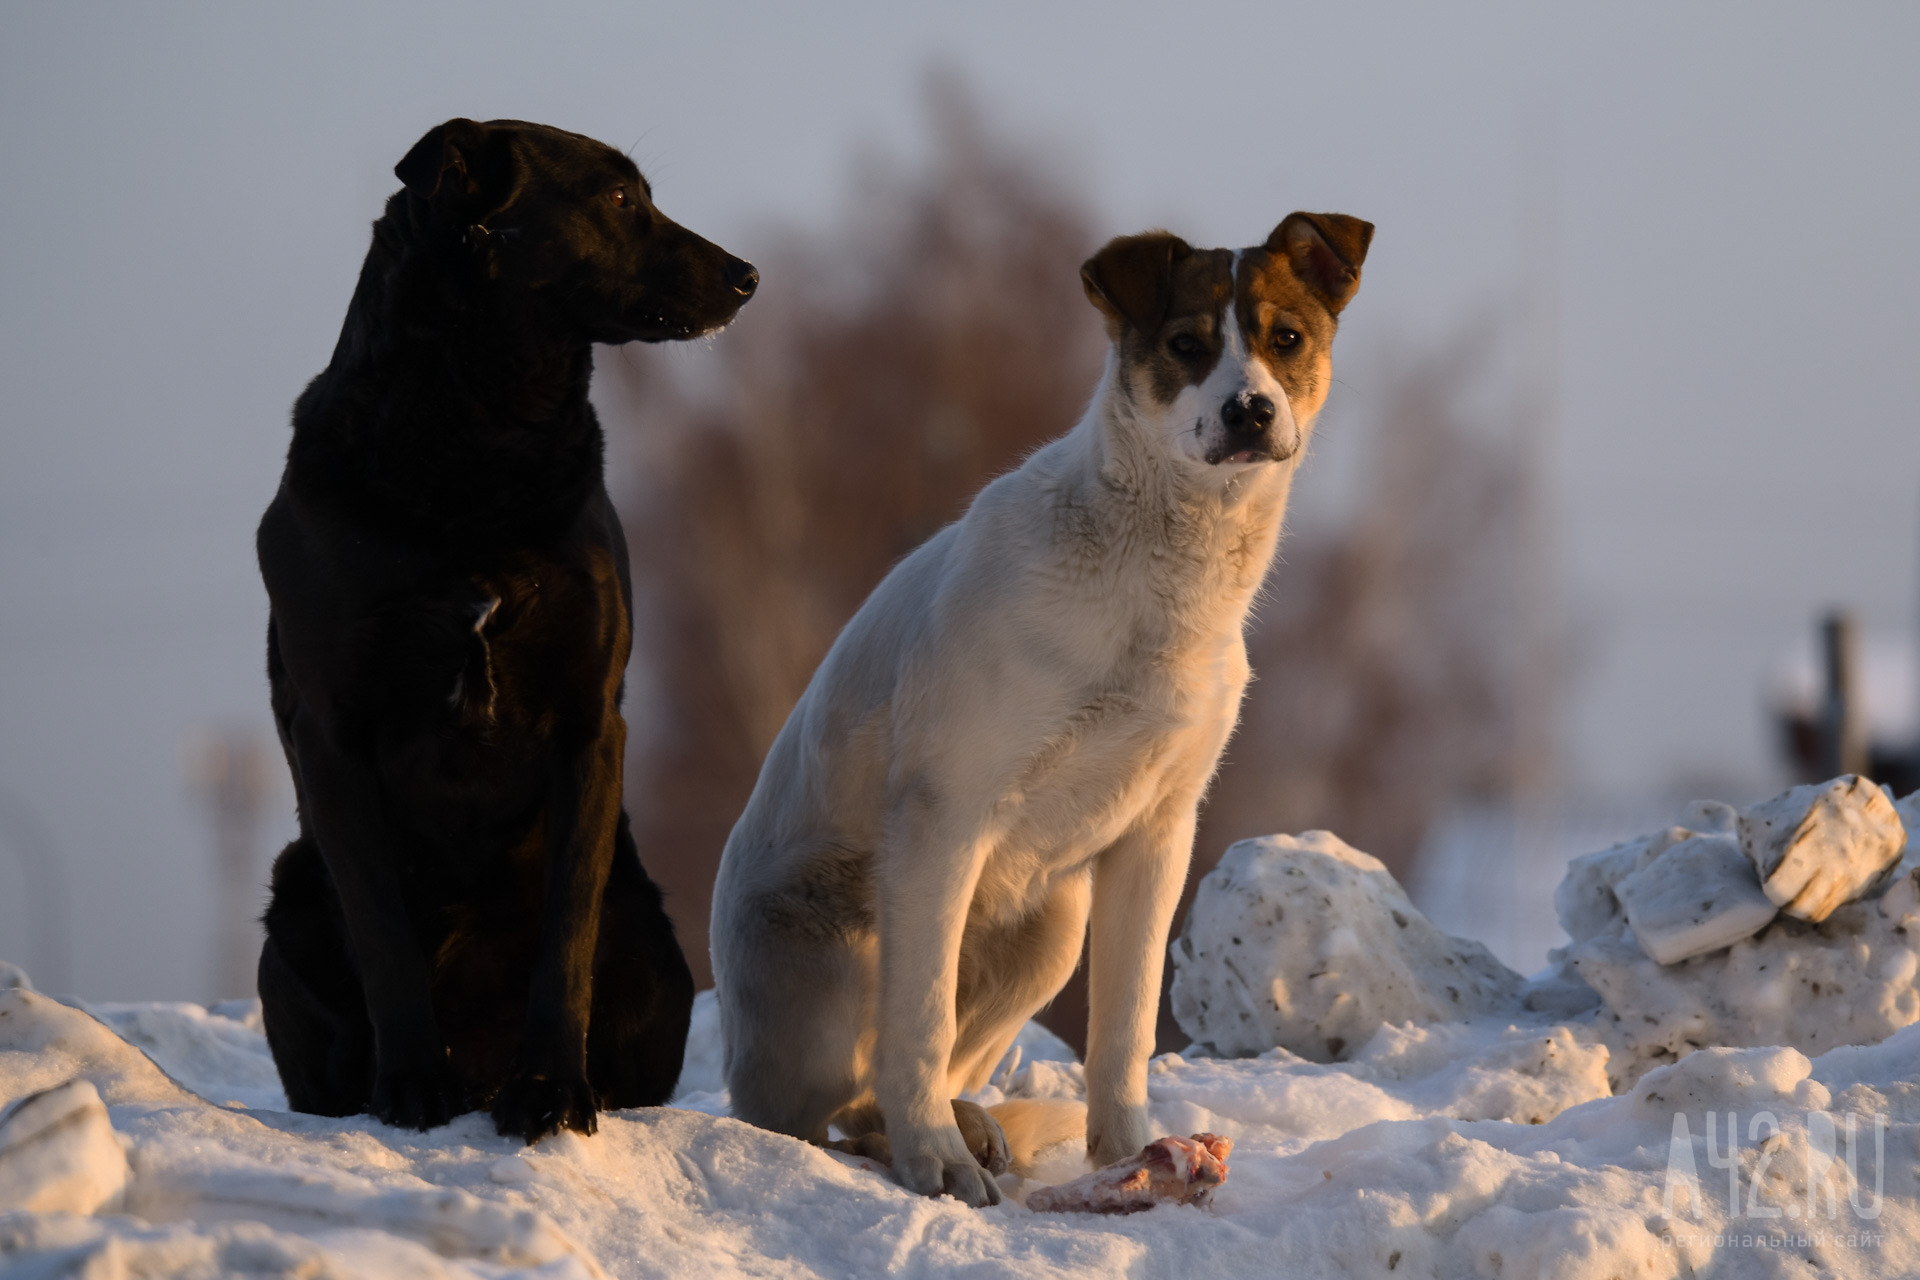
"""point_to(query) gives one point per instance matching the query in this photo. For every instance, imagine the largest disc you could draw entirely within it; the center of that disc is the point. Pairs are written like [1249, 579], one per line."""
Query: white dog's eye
[1285, 338]
[1184, 345]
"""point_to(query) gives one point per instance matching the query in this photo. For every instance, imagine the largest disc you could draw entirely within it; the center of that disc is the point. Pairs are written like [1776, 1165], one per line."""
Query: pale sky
[188, 189]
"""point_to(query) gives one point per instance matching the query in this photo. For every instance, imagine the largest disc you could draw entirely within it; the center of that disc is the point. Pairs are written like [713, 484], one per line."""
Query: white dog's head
[1224, 355]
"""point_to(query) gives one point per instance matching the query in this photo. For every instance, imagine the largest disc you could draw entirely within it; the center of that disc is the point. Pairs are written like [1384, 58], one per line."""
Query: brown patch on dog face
[1325, 250]
[1288, 297]
[1165, 303]
[1287, 327]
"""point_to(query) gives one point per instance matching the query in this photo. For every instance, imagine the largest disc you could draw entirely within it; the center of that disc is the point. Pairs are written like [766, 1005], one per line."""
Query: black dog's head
[570, 222]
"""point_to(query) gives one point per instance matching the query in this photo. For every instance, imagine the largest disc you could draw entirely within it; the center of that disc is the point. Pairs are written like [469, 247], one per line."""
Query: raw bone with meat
[1168, 1170]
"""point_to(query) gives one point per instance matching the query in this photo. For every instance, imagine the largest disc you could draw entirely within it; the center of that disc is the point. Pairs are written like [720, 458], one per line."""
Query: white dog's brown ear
[458, 167]
[1326, 250]
[1131, 279]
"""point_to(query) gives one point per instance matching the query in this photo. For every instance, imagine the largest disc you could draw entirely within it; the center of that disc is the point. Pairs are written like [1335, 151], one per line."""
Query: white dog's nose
[1247, 414]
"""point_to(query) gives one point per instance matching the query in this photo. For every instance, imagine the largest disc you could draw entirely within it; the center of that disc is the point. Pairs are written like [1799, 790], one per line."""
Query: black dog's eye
[619, 196]
[1285, 338]
[1184, 345]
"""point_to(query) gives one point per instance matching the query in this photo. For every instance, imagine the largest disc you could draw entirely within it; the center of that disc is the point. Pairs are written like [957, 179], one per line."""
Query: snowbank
[1848, 979]
[1681, 940]
[1549, 1134]
[1305, 943]
[1415, 1158]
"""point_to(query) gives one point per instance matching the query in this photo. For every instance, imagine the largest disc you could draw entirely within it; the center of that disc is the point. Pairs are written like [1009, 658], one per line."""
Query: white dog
[1010, 740]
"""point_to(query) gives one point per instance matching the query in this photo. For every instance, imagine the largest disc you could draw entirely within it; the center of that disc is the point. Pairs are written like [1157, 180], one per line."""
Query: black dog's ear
[457, 167]
[1131, 279]
[1325, 250]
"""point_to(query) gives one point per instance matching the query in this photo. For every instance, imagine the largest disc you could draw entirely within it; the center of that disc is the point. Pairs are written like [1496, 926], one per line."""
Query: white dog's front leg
[1136, 886]
[926, 881]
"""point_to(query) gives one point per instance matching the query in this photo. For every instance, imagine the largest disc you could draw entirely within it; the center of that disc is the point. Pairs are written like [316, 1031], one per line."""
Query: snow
[1819, 846]
[1335, 1168]
[58, 1153]
[1698, 896]
[1308, 943]
[1554, 1134]
[1848, 979]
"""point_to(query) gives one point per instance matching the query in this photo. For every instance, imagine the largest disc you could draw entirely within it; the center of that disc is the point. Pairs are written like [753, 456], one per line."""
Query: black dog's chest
[521, 643]
[496, 663]
[495, 672]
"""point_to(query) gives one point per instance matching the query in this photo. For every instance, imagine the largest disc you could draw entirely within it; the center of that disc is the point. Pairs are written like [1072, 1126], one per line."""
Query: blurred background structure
[232, 772]
[1624, 407]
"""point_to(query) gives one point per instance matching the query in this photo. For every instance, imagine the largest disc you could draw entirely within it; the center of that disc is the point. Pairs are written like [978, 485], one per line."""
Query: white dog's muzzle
[1255, 427]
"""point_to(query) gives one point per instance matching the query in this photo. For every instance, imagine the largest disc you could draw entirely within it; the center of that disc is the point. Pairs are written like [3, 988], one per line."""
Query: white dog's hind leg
[798, 1028]
[1136, 886]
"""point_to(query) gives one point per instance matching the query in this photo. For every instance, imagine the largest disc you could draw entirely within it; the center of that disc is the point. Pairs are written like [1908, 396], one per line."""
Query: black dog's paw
[532, 1106]
[417, 1098]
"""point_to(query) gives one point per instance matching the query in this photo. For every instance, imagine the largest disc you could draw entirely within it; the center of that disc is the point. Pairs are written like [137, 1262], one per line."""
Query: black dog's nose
[741, 277]
[1248, 414]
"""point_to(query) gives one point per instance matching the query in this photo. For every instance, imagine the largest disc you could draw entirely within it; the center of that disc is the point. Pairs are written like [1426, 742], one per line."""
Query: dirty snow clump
[1305, 943]
[58, 1152]
[1819, 847]
[1776, 979]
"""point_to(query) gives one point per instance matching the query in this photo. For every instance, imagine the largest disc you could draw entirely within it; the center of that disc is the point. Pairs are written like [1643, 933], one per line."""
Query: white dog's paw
[938, 1163]
[1116, 1135]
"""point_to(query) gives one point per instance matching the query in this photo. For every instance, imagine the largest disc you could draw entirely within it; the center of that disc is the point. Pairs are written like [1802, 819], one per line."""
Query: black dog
[464, 918]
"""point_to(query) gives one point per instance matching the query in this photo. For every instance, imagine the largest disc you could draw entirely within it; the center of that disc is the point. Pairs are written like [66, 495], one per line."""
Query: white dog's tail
[1034, 1125]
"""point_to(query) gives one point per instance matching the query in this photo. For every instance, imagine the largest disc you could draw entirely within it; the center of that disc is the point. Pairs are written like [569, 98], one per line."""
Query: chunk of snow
[1698, 896]
[1306, 943]
[1824, 844]
[58, 1153]
[1585, 898]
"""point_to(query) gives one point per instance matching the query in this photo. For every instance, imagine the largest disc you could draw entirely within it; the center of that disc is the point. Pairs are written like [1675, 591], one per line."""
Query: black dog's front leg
[413, 1083]
[549, 1089]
